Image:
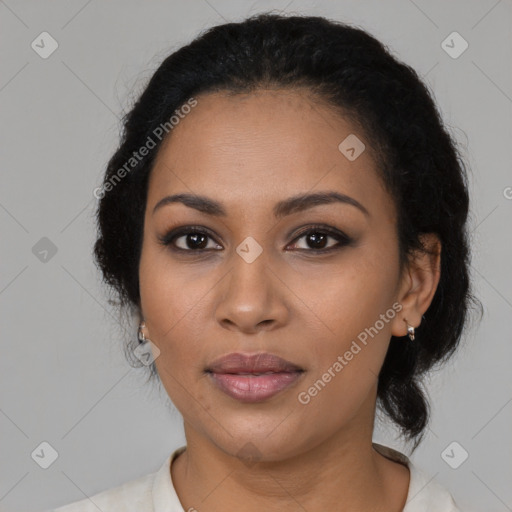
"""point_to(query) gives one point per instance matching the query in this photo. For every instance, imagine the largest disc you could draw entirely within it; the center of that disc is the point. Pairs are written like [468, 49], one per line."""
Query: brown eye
[193, 241]
[321, 239]
[189, 240]
[316, 240]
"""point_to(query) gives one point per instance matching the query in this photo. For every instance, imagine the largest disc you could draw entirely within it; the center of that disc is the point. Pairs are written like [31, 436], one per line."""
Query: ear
[418, 284]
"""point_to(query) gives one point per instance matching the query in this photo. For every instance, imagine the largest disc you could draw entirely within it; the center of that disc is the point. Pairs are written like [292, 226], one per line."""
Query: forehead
[265, 145]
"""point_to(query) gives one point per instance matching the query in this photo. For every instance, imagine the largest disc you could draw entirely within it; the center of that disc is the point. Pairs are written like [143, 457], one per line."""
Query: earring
[410, 330]
[140, 334]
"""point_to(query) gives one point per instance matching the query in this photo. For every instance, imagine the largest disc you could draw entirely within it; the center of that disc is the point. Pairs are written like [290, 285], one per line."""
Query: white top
[155, 492]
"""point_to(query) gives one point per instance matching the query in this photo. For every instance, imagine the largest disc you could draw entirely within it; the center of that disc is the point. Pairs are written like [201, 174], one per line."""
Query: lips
[254, 377]
[252, 364]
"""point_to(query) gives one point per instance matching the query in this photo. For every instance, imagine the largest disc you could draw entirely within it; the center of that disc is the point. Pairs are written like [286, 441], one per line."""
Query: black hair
[419, 164]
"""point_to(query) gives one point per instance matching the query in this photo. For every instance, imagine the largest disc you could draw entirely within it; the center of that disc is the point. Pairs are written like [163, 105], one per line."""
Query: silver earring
[410, 330]
[140, 334]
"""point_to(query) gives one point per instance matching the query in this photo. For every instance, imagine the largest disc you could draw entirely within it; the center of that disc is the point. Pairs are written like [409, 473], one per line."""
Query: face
[312, 282]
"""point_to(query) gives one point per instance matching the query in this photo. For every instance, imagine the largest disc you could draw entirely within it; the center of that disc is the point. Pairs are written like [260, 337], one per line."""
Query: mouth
[253, 378]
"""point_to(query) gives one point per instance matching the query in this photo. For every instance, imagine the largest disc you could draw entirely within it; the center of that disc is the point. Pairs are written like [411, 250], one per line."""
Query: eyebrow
[283, 208]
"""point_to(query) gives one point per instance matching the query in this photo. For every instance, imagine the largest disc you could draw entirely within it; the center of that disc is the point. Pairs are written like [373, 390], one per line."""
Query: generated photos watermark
[305, 397]
[137, 156]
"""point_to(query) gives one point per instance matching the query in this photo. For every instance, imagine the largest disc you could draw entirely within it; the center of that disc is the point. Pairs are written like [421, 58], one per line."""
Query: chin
[264, 441]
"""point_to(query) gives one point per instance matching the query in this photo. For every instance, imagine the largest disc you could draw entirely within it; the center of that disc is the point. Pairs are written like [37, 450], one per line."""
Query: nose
[252, 297]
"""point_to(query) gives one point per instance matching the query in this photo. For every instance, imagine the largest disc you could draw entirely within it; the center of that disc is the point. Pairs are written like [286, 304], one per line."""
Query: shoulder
[144, 494]
[132, 496]
[425, 493]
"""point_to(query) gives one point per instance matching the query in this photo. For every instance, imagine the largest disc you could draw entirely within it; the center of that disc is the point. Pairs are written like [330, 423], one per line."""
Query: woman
[286, 218]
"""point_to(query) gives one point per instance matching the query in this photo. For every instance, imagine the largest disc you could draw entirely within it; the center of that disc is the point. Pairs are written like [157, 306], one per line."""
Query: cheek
[349, 296]
[354, 303]
[170, 305]
[170, 296]
[343, 374]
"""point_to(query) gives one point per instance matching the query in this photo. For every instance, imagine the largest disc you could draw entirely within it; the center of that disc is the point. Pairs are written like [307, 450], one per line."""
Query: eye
[317, 238]
[189, 239]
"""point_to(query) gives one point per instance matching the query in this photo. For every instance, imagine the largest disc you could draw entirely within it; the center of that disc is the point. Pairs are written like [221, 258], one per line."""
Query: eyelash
[343, 240]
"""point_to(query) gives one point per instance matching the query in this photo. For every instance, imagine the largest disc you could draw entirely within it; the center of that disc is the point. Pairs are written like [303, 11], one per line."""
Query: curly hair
[418, 162]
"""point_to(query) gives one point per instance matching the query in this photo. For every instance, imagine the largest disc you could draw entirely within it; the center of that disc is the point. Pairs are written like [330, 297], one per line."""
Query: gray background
[64, 379]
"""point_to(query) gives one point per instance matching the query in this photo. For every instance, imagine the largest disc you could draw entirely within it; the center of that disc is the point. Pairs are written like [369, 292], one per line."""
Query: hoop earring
[410, 330]
[140, 335]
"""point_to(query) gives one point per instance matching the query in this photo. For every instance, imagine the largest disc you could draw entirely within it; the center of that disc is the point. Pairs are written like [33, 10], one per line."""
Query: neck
[341, 473]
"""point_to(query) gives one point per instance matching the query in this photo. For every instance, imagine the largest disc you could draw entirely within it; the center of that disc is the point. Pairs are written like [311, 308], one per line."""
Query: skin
[249, 151]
